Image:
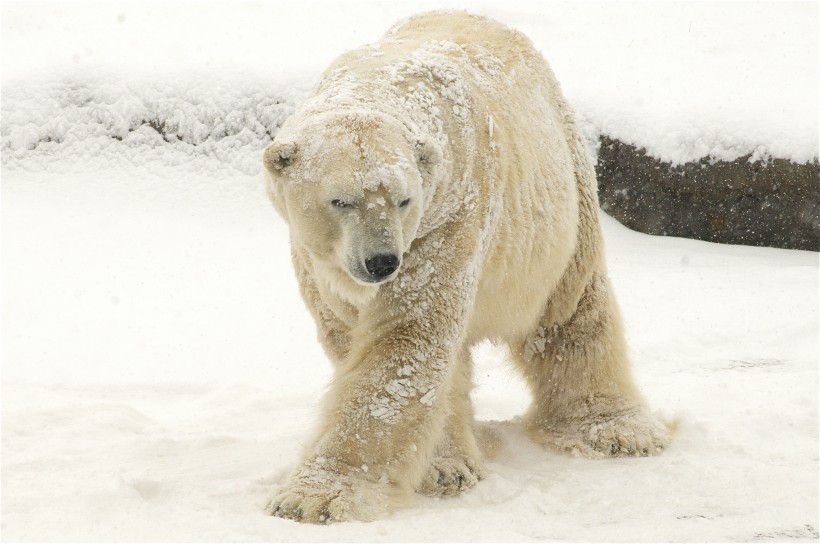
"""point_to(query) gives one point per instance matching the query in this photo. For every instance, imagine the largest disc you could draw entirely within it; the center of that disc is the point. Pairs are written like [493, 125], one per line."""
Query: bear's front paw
[631, 432]
[327, 497]
[447, 476]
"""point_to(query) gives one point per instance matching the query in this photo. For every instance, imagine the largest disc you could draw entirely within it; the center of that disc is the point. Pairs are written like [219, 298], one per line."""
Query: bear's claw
[449, 476]
[340, 499]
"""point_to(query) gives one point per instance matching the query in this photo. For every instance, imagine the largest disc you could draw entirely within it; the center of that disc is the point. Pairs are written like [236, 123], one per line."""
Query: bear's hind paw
[629, 433]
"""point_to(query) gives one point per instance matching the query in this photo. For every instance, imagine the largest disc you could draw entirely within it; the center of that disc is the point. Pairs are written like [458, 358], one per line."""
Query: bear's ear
[279, 155]
[428, 152]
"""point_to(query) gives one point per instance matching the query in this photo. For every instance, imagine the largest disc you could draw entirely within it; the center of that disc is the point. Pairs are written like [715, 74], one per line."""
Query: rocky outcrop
[773, 203]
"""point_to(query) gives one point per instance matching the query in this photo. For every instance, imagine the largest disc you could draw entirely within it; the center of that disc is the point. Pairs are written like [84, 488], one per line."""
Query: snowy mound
[104, 121]
[96, 120]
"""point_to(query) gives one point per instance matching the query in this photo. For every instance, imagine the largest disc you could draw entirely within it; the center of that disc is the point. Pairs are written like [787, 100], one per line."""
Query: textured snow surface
[160, 374]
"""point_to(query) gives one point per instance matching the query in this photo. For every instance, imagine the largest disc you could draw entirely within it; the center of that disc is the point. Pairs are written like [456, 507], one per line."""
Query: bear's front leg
[383, 413]
[457, 461]
[389, 400]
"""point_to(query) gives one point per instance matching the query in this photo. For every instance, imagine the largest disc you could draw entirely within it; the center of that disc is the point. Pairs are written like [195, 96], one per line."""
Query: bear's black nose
[381, 266]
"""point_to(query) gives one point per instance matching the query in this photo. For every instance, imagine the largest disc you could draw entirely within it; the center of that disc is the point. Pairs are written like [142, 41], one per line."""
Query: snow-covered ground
[160, 373]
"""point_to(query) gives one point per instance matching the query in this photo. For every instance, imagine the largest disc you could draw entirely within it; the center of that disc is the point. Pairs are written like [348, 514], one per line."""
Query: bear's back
[506, 44]
[456, 48]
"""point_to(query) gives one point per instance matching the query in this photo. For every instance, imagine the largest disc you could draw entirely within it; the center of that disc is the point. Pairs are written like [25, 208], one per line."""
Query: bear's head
[351, 187]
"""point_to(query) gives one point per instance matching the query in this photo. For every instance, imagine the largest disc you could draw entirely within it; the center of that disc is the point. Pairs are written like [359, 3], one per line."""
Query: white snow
[160, 374]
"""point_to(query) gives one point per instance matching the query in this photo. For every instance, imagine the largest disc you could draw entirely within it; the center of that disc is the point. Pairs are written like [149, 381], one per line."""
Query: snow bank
[684, 80]
[106, 120]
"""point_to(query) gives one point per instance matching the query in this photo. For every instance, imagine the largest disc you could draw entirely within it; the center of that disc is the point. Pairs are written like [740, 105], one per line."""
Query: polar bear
[438, 193]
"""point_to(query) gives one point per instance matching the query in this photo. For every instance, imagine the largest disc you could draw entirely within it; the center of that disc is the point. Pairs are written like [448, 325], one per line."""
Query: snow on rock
[683, 80]
[686, 80]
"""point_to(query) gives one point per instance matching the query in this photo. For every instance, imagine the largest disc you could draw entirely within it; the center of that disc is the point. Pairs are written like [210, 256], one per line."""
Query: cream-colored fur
[447, 144]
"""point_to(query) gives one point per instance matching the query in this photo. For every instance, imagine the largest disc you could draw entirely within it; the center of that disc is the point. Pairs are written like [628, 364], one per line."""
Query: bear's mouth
[373, 281]
[363, 276]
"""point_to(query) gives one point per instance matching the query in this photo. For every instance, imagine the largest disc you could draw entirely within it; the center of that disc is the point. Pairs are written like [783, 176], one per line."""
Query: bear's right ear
[279, 155]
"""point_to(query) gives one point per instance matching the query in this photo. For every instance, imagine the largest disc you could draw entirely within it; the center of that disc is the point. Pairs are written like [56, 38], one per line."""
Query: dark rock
[773, 203]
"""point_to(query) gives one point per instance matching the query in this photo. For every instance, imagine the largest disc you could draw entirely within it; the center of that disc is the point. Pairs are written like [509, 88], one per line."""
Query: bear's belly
[517, 281]
[506, 312]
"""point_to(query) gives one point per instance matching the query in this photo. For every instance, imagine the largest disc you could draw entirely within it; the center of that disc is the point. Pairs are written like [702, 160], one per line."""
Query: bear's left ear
[279, 155]
[428, 152]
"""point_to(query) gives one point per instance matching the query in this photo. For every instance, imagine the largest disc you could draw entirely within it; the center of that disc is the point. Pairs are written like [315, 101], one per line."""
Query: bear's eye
[342, 204]
[404, 203]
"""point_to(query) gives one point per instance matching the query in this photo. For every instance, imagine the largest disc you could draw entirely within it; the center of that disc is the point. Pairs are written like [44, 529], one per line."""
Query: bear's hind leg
[585, 401]
[457, 462]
